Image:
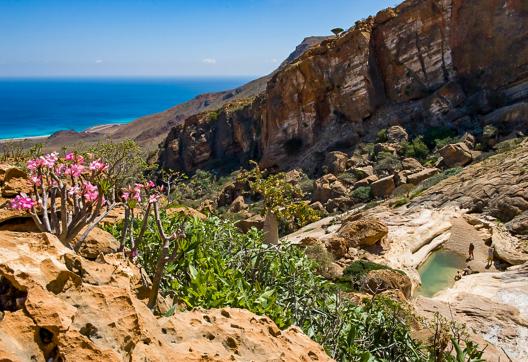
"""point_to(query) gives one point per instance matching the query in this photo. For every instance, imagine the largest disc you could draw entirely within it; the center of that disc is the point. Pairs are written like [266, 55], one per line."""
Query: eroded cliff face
[456, 63]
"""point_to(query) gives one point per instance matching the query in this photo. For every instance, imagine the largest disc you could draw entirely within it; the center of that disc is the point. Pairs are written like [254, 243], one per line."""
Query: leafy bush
[416, 149]
[220, 266]
[362, 194]
[433, 135]
[382, 135]
[387, 164]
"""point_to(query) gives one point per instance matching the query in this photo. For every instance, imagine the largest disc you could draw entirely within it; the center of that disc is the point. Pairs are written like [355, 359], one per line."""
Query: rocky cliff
[456, 63]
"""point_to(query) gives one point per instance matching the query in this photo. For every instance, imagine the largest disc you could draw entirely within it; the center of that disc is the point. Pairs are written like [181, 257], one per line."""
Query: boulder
[490, 136]
[377, 281]
[342, 203]
[207, 206]
[98, 242]
[336, 162]
[469, 140]
[318, 206]
[337, 246]
[418, 177]
[186, 211]
[74, 309]
[455, 155]
[411, 164]
[383, 187]
[363, 232]
[362, 172]
[15, 182]
[256, 221]
[366, 181]
[328, 187]
[238, 204]
[397, 134]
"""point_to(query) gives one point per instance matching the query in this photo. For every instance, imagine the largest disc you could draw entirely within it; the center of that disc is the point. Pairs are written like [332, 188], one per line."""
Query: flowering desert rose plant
[68, 195]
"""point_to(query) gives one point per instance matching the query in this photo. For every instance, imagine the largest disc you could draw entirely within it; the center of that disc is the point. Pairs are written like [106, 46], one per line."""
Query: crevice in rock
[11, 298]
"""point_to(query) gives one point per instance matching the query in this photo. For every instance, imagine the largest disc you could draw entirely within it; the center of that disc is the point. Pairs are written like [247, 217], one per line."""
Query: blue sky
[163, 37]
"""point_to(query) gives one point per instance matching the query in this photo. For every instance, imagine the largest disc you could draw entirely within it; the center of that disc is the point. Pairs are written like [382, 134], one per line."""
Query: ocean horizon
[33, 107]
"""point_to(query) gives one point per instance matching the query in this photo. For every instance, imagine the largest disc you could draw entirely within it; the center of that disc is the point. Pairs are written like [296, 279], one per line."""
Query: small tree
[70, 193]
[283, 200]
[337, 31]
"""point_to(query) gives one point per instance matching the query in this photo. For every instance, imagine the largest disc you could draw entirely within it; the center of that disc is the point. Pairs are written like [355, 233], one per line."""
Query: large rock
[377, 281]
[73, 309]
[397, 134]
[455, 155]
[328, 187]
[15, 182]
[98, 242]
[418, 177]
[383, 187]
[256, 221]
[238, 204]
[336, 162]
[363, 232]
[411, 164]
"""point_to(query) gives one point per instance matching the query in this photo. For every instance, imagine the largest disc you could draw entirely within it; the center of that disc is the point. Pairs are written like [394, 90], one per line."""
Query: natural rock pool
[438, 272]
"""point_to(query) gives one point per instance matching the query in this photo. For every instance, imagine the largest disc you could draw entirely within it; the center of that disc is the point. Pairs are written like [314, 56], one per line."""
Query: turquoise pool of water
[438, 272]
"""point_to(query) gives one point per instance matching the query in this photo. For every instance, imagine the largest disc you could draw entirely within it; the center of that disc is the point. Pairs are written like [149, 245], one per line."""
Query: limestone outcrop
[55, 305]
[460, 64]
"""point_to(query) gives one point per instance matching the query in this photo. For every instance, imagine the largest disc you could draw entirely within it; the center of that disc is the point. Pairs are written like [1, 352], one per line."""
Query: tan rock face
[383, 187]
[457, 154]
[363, 232]
[378, 281]
[336, 162]
[328, 187]
[59, 305]
[424, 64]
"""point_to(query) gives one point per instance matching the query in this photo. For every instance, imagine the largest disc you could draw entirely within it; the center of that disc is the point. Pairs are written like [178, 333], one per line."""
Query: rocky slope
[425, 63]
[486, 203]
[58, 306]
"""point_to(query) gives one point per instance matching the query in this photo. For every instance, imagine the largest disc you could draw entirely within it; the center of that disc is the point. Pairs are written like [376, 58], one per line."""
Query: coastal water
[37, 107]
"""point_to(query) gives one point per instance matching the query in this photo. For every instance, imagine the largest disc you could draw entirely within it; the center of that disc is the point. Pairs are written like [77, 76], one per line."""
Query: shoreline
[101, 128]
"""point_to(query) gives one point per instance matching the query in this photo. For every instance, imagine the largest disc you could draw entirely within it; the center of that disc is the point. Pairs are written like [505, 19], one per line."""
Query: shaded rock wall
[425, 63]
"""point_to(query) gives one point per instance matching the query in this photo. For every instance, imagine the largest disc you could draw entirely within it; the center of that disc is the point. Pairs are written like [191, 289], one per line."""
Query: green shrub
[362, 194]
[220, 266]
[357, 270]
[387, 163]
[416, 149]
[435, 134]
[382, 135]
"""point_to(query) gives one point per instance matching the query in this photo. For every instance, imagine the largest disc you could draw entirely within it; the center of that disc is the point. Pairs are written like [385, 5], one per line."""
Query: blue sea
[38, 107]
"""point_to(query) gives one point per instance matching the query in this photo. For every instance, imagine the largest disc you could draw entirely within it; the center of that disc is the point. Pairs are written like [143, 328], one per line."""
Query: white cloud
[209, 61]
[99, 61]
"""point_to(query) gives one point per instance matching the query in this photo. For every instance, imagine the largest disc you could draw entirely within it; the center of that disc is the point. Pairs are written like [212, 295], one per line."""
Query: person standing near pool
[491, 251]
[471, 251]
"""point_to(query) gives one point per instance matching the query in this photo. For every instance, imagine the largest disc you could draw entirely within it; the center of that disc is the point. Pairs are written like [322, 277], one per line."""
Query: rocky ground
[55, 304]
[485, 203]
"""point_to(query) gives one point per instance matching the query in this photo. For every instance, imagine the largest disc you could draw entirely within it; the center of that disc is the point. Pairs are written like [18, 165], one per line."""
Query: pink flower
[126, 195]
[98, 166]
[75, 190]
[150, 184]
[74, 170]
[32, 165]
[70, 156]
[36, 180]
[154, 198]
[91, 193]
[22, 202]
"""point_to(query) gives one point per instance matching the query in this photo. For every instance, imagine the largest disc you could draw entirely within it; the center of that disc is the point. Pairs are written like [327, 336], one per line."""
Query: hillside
[423, 64]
